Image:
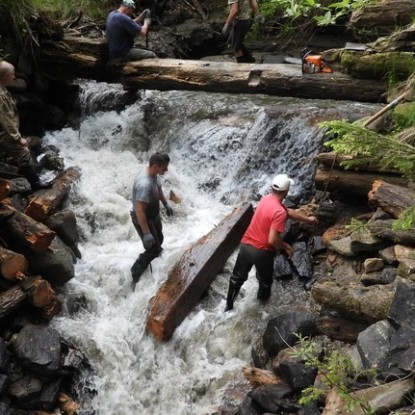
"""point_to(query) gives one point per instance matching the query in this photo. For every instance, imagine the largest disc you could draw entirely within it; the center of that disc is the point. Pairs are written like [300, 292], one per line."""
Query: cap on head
[129, 3]
[281, 182]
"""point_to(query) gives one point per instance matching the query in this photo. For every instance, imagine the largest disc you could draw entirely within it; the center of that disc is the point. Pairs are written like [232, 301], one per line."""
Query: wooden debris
[13, 265]
[391, 198]
[194, 272]
[10, 300]
[258, 377]
[39, 291]
[46, 201]
[24, 232]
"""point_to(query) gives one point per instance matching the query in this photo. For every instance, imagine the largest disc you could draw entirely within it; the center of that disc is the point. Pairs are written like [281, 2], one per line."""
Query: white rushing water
[210, 143]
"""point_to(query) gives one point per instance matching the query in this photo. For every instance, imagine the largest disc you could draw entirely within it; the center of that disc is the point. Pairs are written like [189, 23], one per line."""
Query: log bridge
[78, 57]
[194, 272]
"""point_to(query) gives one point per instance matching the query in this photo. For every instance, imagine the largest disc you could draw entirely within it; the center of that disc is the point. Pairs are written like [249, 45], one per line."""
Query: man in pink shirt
[262, 239]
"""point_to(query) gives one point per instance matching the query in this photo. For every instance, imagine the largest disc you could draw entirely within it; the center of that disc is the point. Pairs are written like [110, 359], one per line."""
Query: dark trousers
[144, 259]
[239, 31]
[249, 256]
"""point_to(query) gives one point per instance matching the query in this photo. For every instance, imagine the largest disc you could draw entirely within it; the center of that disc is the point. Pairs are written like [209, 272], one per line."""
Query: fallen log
[21, 231]
[13, 265]
[72, 59]
[46, 201]
[10, 187]
[11, 300]
[271, 79]
[39, 292]
[351, 182]
[331, 159]
[391, 198]
[194, 272]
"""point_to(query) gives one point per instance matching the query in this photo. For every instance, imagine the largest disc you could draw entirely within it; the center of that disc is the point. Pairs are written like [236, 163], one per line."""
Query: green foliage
[406, 219]
[322, 14]
[357, 225]
[370, 148]
[337, 372]
[69, 8]
[404, 115]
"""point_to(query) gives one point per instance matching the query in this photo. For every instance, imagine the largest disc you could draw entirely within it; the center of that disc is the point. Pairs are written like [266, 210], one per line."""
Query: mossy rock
[404, 115]
[391, 66]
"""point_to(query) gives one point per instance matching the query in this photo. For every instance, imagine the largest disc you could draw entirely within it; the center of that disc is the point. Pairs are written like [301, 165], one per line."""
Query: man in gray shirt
[145, 214]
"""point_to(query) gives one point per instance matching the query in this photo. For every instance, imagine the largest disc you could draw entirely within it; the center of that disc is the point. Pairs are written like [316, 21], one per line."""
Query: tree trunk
[194, 272]
[24, 232]
[47, 201]
[350, 182]
[13, 265]
[258, 377]
[391, 198]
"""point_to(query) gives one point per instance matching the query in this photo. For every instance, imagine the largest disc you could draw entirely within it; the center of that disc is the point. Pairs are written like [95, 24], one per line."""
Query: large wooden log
[21, 231]
[391, 198]
[72, 59]
[44, 202]
[11, 300]
[194, 272]
[351, 182]
[12, 264]
[272, 79]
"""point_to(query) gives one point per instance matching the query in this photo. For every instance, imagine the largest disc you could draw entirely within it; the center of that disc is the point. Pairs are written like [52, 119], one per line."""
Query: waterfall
[223, 149]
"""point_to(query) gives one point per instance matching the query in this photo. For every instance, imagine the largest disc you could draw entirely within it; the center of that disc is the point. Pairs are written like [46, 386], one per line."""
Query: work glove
[147, 21]
[259, 19]
[225, 29]
[148, 240]
[144, 14]
[168, 208]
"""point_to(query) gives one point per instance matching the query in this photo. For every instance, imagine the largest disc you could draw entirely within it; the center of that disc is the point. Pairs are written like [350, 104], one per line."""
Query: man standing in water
[146, 197]
[121, 29]
[262, 239]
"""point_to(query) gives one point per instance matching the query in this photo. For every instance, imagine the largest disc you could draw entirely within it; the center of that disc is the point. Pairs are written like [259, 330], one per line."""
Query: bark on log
[383, 15]
[331, 159]
[391, 198]
[44, 202]
[52, 309]
[340, 328]
[11, 300]
[258, 377]
[272, 79]
[350, 182]
[39, 292]
[13, 265]
[21, 231]
[194, 272]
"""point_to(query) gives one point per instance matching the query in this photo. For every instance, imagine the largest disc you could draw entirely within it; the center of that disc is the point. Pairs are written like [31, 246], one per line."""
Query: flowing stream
[224, 149]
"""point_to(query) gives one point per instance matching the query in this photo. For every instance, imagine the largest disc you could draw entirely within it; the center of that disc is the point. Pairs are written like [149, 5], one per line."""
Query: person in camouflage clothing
[12, 143]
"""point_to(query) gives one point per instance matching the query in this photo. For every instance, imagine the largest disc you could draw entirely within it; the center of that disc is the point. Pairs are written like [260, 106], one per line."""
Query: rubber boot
[34, 179]
[263, 293]
[247, 55]
[137, 270]
[233, 291]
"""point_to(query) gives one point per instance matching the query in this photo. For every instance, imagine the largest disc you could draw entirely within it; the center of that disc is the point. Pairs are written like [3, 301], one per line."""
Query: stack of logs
[37, 254]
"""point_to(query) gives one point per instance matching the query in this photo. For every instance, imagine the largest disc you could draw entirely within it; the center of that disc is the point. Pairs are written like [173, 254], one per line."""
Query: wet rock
[373, 264]
[249, 407]
[402, 309]
[3, 383]
[282, 267]
[386, 276]
[4, 356]
[24, 389]
[363, 242]
[373, 343]
[318, 245]
[311, 408]
[38, 349]
[269, 397]
[388, 255]
[302, 260]
[406, 257]
[284, 330]
[342, 246]
[339, 328]
[297, 375]
[5, 409]
[383, 229]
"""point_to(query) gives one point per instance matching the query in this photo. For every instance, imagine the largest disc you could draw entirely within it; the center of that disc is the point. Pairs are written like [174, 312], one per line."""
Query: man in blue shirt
[121, 29]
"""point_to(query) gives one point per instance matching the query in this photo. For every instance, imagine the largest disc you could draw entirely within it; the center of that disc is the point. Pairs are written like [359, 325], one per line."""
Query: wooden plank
[194, 272]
